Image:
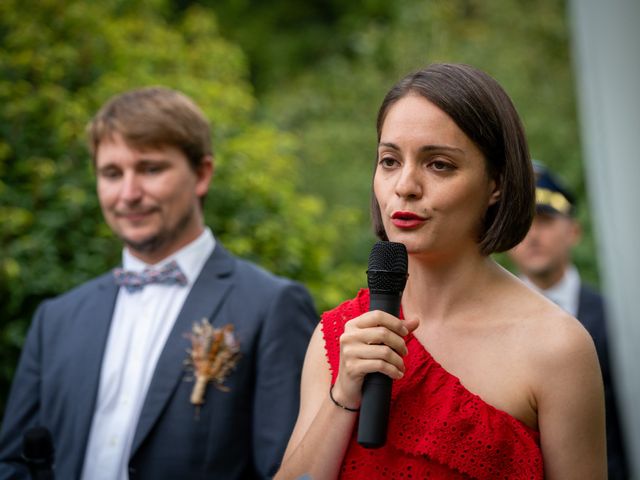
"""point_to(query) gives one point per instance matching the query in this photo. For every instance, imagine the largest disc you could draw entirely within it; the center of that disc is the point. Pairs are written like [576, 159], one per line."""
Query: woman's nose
[409, 184]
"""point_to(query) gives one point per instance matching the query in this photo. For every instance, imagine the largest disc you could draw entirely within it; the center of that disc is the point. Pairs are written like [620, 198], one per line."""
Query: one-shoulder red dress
[437, 428]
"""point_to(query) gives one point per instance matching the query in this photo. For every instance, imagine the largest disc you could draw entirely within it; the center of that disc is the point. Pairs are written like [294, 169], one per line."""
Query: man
[103, 366]
[544, 261]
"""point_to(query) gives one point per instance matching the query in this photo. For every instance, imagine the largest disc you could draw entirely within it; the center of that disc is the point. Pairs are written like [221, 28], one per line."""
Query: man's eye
[152, 169]
[110, 173]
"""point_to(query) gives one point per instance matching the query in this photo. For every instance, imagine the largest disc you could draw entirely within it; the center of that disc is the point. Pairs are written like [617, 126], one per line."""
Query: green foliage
[332, 104]
[294, 160]
[58, 63]
[284, 37]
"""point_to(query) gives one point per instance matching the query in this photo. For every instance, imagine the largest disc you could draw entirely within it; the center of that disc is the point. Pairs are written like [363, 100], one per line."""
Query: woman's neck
[435, 291]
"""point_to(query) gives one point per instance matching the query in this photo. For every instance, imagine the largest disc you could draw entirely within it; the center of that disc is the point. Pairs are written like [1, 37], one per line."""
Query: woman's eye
[387, 161]
[440, 166]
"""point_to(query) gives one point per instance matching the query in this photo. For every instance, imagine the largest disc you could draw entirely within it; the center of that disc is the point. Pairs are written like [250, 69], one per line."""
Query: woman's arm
[322, 431]
[371, 342]
[571, 406]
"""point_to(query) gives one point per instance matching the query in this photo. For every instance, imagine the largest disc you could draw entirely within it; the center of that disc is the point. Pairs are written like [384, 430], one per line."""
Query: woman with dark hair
[491, 380]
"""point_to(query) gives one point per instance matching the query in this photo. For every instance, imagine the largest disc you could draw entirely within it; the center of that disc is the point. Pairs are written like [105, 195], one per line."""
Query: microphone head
[388, 265]
[37, 445]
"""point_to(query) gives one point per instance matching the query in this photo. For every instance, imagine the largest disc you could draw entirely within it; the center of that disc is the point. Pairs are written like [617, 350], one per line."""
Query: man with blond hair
[103, 366]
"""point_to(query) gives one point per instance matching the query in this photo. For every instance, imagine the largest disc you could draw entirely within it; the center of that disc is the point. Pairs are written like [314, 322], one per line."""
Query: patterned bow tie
[169, 274]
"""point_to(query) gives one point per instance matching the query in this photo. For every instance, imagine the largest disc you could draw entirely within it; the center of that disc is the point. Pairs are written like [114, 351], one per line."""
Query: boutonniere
[214, 353]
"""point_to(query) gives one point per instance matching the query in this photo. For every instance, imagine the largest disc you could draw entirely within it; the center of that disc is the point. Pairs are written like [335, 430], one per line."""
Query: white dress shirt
[140, 326]
[565, 293]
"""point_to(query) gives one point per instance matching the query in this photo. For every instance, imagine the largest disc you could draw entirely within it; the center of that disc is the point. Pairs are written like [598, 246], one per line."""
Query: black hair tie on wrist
[339, 404]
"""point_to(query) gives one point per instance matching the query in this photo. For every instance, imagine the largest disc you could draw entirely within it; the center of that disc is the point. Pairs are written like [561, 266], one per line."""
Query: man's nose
[131, 188]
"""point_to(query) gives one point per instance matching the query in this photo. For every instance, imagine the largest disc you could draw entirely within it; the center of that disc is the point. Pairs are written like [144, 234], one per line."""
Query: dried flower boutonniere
[214, 353]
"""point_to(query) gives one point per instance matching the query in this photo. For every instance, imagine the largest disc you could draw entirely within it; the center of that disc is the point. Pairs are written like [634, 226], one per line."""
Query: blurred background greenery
[292, 89]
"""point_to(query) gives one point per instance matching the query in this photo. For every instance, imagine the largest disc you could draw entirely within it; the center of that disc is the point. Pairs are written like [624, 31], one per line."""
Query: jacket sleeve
[23, 405]
[287, 328]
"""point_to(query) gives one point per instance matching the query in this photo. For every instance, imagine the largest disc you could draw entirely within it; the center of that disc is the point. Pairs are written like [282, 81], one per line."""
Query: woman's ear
[495, 196]
[494, 192]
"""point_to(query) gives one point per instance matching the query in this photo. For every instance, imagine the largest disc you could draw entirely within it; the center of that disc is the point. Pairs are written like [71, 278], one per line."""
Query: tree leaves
[59, 63]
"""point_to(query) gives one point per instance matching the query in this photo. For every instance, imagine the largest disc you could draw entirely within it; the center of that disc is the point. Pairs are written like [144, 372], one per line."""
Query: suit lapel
[93, 329]
[205, 297]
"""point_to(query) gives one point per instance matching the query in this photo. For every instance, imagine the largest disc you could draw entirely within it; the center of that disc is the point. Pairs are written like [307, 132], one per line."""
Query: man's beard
[545, 272]
[161, 239]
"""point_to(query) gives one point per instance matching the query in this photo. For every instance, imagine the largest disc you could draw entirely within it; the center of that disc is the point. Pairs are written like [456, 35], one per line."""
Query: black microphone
[38, 453]
[386, 277]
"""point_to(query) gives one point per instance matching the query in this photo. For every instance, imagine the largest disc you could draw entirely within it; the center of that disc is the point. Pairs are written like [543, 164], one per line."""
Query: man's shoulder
[84, 290]
[589, 293]
[592, 313]
[255, 289]
[259, 286]
[249, 272]
[591, 303]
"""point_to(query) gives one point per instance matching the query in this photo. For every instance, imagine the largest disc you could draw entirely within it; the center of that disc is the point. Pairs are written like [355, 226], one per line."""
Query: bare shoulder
[553, 340]
[566, 387]
[558, 334]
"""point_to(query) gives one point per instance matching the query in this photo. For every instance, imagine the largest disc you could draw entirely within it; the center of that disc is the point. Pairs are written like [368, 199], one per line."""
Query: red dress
[437, 428]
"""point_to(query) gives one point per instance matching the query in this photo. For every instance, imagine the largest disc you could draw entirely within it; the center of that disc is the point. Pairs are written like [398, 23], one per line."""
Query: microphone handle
[376, 388]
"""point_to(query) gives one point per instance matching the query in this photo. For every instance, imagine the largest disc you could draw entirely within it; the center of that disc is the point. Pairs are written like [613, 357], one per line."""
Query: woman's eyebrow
[426, 148]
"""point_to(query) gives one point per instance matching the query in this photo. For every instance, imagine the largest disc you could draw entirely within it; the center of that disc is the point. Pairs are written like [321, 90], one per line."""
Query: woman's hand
[372, 342]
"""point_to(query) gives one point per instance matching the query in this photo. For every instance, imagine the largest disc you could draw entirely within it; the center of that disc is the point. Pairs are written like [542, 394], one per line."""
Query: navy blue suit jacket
[238, 434]
[591, 313]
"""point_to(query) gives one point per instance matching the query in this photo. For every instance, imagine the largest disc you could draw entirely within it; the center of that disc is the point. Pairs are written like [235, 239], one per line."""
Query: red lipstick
[407, 220]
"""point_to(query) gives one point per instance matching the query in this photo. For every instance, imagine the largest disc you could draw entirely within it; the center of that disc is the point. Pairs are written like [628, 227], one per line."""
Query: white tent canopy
[606, 48]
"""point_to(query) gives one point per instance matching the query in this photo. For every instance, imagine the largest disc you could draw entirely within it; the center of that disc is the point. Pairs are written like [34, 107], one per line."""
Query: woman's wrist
[339, 404]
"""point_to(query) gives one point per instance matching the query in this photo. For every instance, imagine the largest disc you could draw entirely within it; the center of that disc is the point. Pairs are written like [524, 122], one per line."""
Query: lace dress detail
[437, 428]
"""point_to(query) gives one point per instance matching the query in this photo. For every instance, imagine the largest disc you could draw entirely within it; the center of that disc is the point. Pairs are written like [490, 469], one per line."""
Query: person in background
[490, 379]
[543, 260]
[185, 362]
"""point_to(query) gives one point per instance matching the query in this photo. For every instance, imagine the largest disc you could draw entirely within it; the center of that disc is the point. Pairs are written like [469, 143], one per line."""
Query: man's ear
[576, 232]
[204, 173]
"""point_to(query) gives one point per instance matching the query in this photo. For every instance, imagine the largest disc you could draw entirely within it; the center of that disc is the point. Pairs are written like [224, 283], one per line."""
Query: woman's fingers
[365, 366]
[412, 323]
[372, 342]
[374, 336]
[361, 359]
[378, 318]
[377, 328]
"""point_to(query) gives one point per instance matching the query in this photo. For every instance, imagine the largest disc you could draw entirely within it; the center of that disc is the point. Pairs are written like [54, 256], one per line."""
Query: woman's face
[430, 181]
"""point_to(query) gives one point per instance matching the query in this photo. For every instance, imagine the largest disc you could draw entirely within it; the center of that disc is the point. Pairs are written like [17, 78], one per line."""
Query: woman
[491, 380]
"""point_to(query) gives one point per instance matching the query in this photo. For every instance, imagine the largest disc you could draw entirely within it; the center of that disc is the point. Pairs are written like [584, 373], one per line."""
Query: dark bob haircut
[484, 112]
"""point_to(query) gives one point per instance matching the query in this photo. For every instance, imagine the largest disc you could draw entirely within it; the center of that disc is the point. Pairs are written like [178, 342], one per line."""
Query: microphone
[386, 277]
[38, 453]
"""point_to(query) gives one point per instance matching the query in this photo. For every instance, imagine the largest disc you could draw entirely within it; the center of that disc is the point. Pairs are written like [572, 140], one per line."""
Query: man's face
[546, 250]
[150, 198]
